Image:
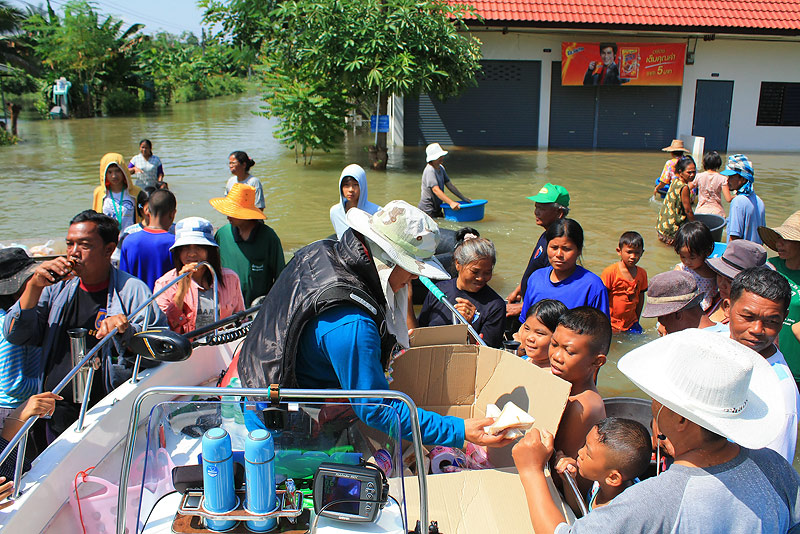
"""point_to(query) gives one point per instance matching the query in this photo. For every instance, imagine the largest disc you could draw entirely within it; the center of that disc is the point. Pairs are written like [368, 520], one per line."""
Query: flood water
[50, 177]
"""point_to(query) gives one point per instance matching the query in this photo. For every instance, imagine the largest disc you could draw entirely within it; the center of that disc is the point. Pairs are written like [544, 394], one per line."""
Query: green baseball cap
[552, 193]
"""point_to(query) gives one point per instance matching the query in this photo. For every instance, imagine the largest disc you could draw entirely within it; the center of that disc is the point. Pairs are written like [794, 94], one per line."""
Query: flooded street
[50, 176]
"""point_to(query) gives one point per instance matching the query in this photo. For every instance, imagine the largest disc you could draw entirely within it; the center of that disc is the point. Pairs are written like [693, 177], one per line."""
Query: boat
[112, 471]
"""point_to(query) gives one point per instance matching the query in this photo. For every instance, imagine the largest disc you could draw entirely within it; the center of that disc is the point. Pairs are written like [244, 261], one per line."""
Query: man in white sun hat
[434, 180]
[719, 403]
[337, 310]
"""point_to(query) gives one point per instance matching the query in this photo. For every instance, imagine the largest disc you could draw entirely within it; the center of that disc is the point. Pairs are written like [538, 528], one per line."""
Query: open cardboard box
[457, 379]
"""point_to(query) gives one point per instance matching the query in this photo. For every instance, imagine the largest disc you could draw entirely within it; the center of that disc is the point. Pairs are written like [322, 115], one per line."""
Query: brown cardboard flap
[487, 502]
[454, 334]
[437, 376]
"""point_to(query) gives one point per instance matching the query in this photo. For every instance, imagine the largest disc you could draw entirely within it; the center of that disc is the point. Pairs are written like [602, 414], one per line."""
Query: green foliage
[344, 51]
[120, 102]
[7, 139]
[209, 87]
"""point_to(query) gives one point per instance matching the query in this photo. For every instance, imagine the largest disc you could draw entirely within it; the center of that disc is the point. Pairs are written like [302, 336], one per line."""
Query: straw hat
[713, 381]
[789, 230]
[194, 231]
[434, 151]
[676, 146]
[240, 203]
[405, 233]
[15, 268]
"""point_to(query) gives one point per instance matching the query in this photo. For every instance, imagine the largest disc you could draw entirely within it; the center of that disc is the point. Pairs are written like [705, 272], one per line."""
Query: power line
[145, 17]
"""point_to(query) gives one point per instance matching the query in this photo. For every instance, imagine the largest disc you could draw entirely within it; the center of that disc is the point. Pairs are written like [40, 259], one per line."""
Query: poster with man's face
[617, 63]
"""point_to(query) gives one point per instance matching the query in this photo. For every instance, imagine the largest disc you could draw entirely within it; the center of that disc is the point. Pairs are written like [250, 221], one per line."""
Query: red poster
[612, 63]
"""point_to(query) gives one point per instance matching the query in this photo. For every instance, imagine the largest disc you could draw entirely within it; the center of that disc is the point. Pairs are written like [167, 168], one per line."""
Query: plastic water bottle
[218, 489]
[259, 458]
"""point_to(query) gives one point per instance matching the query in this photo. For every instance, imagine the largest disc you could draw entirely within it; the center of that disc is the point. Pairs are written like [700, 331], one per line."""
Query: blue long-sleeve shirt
[341, 349]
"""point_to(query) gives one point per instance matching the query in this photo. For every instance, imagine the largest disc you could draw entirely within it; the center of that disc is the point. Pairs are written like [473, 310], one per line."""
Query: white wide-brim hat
[194, 231]
[434, 151]
[405, 233]
[714, 382]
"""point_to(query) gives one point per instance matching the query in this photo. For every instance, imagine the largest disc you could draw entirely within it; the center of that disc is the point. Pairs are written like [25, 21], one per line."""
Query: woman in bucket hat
[248, 246]
[189, 304]
[717, 402]
[785, 240]
[434, 180]
[339, 308]
[747, 209]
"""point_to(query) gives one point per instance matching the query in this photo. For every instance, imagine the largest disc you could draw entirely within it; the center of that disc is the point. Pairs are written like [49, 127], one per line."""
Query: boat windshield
[305, 434]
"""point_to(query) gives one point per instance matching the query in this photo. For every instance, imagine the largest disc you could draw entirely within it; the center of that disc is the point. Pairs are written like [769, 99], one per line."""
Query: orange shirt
[623, 295]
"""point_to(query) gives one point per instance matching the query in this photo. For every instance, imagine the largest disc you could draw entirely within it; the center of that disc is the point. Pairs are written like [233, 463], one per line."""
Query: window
[779, 104]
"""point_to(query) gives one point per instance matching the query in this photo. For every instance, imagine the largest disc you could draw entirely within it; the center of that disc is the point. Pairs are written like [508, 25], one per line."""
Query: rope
[83, 475]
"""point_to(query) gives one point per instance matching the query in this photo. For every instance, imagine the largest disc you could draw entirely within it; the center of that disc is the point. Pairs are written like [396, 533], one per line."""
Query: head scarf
[397, 309]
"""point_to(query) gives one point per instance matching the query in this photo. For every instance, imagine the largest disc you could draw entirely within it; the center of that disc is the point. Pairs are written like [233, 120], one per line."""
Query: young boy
[578, 349]
[146, 254]
[617, 451]
[626, 284]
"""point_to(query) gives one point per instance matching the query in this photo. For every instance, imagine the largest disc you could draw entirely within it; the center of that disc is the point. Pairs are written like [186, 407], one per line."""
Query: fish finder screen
[339, 488]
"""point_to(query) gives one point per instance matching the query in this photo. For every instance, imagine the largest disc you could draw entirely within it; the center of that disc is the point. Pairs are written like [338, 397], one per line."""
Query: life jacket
[320, 276]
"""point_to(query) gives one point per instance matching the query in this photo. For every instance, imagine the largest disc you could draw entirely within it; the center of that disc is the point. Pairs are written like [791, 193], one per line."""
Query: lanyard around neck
[117, 205]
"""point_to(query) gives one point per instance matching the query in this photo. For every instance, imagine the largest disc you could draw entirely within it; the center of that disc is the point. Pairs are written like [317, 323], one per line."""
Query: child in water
[535, 333]
[116, 196]
[616, 452]
[578, 349]
[626, 284]
[694, 244]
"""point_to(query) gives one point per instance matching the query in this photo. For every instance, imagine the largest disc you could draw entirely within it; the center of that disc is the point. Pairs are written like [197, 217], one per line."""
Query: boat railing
[20, 439]
[275, 395]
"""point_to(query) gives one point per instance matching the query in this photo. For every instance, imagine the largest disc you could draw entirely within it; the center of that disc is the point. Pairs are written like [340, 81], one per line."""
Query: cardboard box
[461, 380]
[455, 334]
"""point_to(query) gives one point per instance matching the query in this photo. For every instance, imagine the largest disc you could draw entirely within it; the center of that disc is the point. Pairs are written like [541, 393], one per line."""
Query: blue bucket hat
[739, 164]
[194, 231]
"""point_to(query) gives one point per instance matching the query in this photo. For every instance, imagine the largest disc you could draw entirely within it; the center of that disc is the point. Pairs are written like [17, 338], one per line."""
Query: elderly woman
[474, 259]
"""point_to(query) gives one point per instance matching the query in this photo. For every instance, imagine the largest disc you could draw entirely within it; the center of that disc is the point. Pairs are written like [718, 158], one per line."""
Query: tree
[353, 49]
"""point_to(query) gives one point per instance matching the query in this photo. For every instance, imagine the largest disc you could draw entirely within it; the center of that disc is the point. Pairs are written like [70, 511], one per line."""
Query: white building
[741, 79]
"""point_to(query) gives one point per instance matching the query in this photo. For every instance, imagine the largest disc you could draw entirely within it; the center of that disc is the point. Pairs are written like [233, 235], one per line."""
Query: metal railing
[285, 395]
[21, 437]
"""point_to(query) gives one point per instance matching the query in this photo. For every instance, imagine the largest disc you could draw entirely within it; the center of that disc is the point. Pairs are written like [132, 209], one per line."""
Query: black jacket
[320, 276]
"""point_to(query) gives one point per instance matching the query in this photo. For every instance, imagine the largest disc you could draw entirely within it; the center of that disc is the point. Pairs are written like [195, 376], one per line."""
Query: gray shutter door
[572, 109]
[503, 110]
[634, 117]
[637, 117]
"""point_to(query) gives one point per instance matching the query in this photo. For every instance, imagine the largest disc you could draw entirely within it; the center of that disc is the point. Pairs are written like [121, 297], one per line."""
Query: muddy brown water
[49, 177]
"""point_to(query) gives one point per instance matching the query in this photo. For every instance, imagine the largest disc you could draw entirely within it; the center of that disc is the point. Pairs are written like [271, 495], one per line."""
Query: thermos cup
[259, 456]
[218, 488]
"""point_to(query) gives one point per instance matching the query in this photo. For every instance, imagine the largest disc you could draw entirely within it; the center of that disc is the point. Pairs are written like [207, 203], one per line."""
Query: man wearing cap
[20, 372]
[718, 403]
[82, 290]
[673, 297]
[434, 180]
[551, 204]
[740, 254]
[248, 246]
[747, 209]
[338, 309]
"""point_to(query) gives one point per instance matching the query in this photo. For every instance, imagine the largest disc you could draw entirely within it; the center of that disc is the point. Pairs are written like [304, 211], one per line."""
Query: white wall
[747, 63]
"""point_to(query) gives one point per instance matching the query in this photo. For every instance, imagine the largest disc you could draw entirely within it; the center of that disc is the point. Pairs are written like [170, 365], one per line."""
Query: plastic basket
[470, 211]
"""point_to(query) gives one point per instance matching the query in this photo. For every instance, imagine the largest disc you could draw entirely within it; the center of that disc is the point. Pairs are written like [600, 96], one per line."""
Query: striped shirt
[20, 370]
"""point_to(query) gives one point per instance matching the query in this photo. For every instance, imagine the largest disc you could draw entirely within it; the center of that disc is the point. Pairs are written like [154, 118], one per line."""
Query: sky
[174, 16]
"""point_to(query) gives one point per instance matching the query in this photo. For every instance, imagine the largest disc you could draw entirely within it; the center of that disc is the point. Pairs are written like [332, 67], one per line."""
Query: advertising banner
[613, 63]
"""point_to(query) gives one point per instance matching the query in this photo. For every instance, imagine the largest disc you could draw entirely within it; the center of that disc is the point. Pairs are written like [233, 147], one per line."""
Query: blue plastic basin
[470, 211]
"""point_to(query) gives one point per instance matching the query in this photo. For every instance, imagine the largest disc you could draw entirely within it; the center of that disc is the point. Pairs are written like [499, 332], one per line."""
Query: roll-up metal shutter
[503, 110]
[572, 110]
[637, 117]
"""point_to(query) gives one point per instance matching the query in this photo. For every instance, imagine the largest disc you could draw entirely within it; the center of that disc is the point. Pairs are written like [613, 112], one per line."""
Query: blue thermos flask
[259, 460]
[218, 489]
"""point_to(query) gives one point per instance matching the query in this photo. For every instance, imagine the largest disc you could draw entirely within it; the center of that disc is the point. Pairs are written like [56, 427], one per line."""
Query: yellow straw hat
[676, 146]
[789, 230]
[240, 203]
